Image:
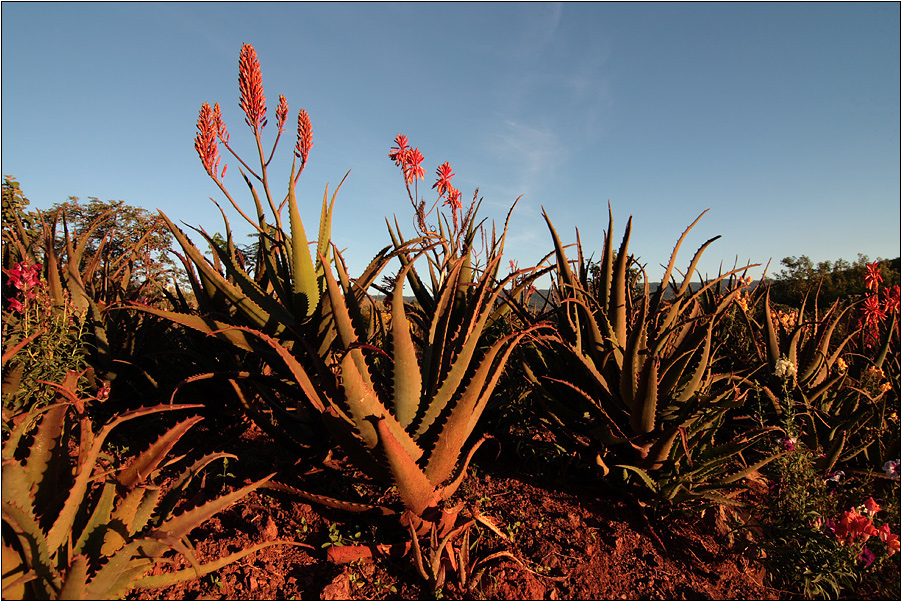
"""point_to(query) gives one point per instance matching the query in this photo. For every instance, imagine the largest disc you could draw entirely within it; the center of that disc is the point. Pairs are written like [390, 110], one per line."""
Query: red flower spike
[443, 183]
[205, 140]
[250, 85]
[891, 300]
[411, 162]
[281, 113]
[397, 153]
[305, 136]
[454, 199]
[872, 277]
[219, 124]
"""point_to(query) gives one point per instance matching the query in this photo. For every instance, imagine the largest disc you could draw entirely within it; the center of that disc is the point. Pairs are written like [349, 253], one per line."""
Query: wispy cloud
[531, 153]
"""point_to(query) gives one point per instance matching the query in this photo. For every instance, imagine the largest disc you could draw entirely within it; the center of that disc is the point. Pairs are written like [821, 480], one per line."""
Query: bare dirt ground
[573, 542]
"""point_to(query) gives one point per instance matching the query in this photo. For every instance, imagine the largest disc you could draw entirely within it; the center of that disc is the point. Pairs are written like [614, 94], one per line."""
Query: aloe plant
[838, 413]
[408, 418]
[84, 531]
[631, 380]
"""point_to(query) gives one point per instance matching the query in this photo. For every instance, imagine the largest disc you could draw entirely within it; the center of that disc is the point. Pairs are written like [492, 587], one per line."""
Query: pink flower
[17, 306]
[889, 538]
[871, 506]
[853, 526]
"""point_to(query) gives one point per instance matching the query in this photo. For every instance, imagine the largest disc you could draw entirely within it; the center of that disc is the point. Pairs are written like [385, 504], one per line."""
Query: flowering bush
[41, 339]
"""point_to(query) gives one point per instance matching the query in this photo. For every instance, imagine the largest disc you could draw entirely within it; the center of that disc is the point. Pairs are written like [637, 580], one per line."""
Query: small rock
[269, 531]
[339, 589]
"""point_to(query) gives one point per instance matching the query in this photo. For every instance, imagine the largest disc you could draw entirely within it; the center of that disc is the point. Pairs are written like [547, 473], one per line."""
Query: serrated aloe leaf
[408, 381]
[330, 502]
[91, 536]
[143, 465]
[665, 281]
[347, 336]
[168, 579]
[75, 582]
[687, 279]
[146, 508]
[698, 375]
[619, 290]
[118, 573]
[323, 243]
[660, 449]
[40, 468]
[248, 286]
[750, 469]
[642, 417]
[15, 575]
[31, 540]
[642, 475]
[201, 324]
[468, 409]
[214, 282]
[415, 489]
[773, 339]
[457, 477]
[63, 525]
[607, 262]
[314, 394]
[633, 359]
[564, 271]
[179, 526]
[304, 286]
[474, 324]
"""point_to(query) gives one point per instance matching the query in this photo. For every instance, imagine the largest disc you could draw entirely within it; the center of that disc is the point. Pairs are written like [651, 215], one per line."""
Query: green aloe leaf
[143, 465]
[408, 381]
[173, 578]
[416, 490]
[304, 286]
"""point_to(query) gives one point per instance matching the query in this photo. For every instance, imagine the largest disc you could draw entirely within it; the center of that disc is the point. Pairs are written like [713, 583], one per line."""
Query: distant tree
[122, 226]
[828, 280]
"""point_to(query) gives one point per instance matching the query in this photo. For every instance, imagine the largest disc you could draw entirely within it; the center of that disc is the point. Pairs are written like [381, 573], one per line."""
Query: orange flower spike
[872, 277]
[205, 140]
[443, 183]
[219, 124]
[305, 136]
[454, 199]
[281, 113]
[250, 85]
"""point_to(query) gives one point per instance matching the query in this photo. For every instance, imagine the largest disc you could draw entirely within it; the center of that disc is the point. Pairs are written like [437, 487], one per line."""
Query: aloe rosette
[82, 531]
[630, 379]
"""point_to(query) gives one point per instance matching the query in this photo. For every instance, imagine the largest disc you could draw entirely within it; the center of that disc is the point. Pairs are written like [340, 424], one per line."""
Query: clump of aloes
[279, 290]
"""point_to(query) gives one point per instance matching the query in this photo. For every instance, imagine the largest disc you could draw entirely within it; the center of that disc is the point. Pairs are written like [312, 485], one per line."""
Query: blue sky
[783, 119]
